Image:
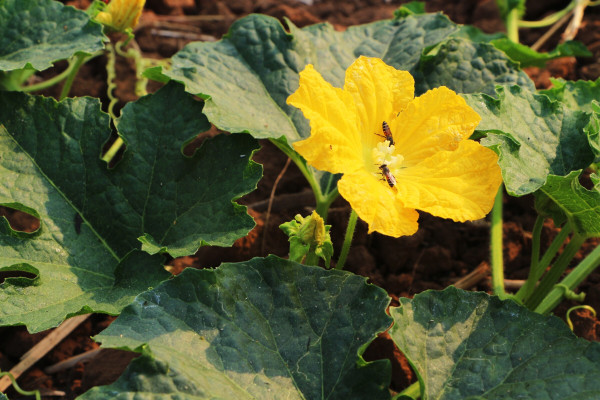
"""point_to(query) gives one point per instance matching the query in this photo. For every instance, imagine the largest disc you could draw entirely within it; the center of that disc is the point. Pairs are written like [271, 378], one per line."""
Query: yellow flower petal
[121, 14]
[460, 185]
[334, 144]
[380, 92]
[438, 120]
[376, 204]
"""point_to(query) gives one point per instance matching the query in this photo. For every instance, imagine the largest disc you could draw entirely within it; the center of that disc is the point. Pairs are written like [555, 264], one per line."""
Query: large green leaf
[255, 67]
[578, 95]
[468, 67]
[563, 198]
[91, 217]
[466, 345]
[261, 329]
[533, 136]
[36, 33]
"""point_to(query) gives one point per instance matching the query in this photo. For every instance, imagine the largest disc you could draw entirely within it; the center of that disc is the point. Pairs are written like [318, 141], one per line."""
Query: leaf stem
[552, 277]
[347, 240]
[113, 150]
[512, 25]
[80, 59]
[549, 20]
[496, 256]
[536, 234]
[574, 278]
[323, 201]
[536, 272]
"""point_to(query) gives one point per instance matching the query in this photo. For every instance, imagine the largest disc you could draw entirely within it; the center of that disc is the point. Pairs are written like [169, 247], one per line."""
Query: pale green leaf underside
[467, 345]
[568, 199]
[261, 329]
[533, 136]
[40, 32]
[247, 76]
[92, 217]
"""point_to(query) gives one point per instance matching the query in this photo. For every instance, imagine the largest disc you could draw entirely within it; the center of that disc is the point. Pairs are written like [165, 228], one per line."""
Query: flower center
[383, 154]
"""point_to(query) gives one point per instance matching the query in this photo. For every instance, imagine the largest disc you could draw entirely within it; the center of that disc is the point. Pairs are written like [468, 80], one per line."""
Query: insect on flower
[387, 133]
[391, 179]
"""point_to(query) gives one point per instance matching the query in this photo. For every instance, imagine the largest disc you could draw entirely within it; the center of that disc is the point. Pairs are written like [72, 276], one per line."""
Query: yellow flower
[121, 14]
[432, 165]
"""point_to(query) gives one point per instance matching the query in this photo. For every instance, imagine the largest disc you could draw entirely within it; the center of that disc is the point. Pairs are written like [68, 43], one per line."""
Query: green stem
[512, 25]
[496, 246]
[80, 59]
[535, 273]
[575, 277]
[413, 391]
[35, 393]
[550, 19]
[552, 277]
[112, 151]
[347, 240]
[323, 201]
[535, 259]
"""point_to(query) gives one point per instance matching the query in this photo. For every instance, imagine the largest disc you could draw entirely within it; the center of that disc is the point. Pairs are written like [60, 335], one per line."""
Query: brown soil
[438, 255]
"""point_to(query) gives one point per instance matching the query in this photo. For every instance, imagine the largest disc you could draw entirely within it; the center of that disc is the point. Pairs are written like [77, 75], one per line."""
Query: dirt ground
[441, 253]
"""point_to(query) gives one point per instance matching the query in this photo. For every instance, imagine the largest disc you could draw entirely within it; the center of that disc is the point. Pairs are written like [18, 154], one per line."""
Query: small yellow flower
[432, 165]
[121, 14]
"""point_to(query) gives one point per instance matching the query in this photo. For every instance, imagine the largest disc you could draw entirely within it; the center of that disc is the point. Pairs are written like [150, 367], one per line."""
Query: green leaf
[468, 67]
[261, 329]
[527, 57]
[466, 345]
[477, 35]
[91, 217]
[411, 8]
[3, 396]
[36, 33]
[563, 197]
[578, 95]
[533, 136]
[255, 67]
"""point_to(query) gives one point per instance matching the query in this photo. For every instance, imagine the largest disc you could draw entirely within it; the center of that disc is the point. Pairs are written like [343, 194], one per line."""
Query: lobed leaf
[255, 67]
[262, 329]
[36, 33]
[466, 345]
[468, 67]
[564, 198]
[533, 136]
[83, 256]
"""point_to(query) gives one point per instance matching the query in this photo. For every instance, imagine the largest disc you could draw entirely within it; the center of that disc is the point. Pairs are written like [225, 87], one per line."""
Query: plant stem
[535, 259]
[80, 59]
[311, 257]
[550, 19]
[535, 273]
[575, 277]
[413, 391]
[496, 246]
[347, 240]
[512, 25]
[112, 151]
[552, 277]
[323, 201]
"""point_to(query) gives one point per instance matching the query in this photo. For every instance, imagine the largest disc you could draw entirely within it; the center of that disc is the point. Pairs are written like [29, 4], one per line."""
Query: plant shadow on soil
[439, 254]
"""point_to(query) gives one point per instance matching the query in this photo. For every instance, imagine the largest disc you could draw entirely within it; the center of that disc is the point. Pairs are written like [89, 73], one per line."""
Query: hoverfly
[391, 179]
[387, 133]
